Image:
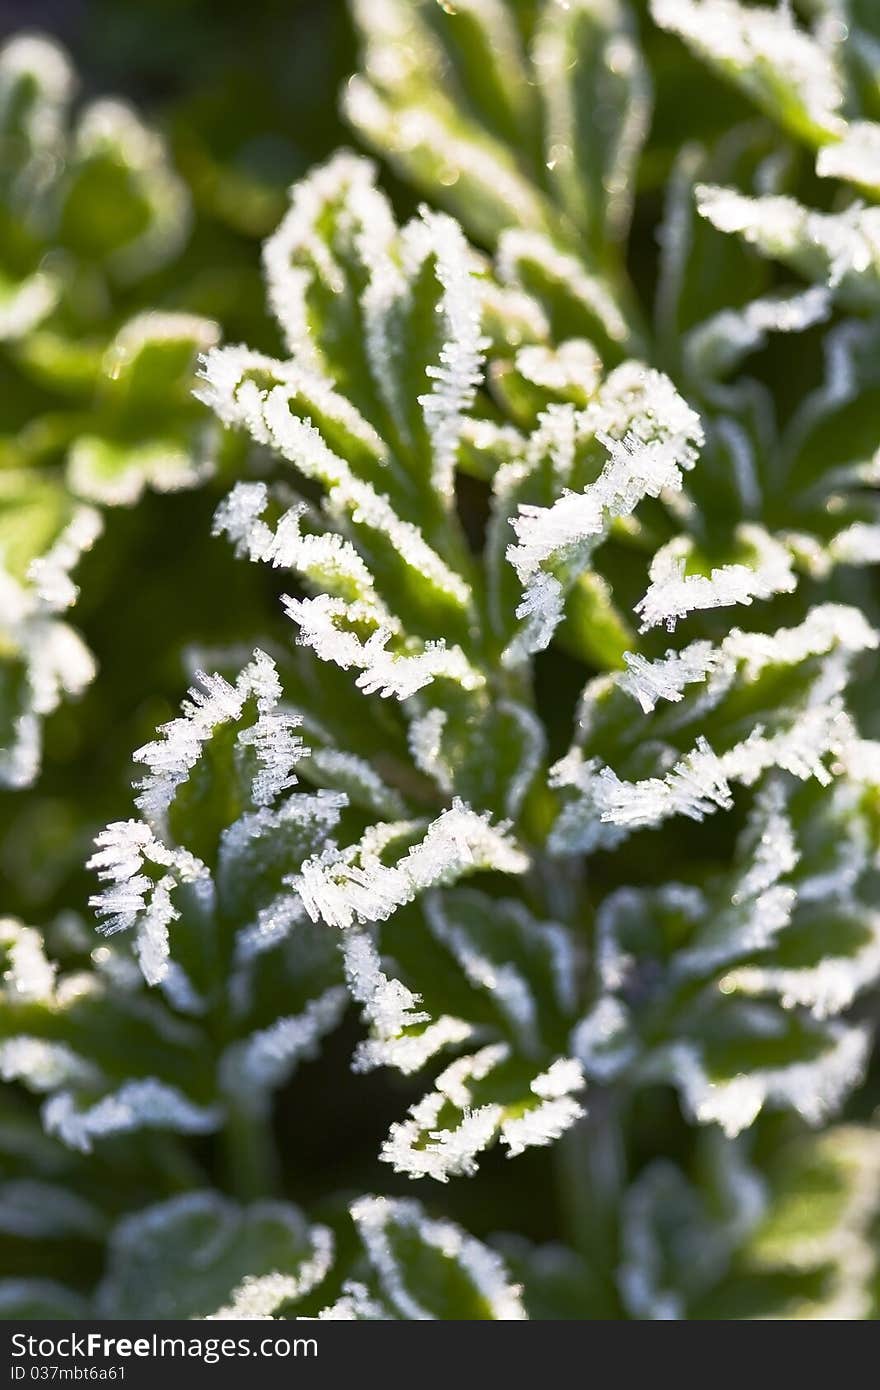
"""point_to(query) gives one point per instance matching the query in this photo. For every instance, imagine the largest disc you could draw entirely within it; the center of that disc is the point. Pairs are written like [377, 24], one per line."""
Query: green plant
[98, 398]
[568, 783]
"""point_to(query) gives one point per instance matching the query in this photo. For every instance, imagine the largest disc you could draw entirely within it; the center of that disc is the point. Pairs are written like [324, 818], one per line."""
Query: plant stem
[250, 1159]
[592, 1175]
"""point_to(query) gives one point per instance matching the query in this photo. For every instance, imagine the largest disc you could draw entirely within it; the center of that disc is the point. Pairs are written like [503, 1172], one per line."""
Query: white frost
[377, 1219]
[147, 1104]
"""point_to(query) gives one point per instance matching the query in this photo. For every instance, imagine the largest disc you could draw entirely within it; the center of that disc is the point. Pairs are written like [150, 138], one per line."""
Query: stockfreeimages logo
[96, 1346]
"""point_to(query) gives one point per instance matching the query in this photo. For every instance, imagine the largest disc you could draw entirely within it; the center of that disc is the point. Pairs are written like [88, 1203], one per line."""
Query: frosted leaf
[55, 659]
[813, 1088]
[614, 959]
[760, 907]
[108, 128]
[392, 1013]
[272, 925]
[357, 780]
[126, 859]
[555, 437]
[640, 1276]
[382, 1222]
[156, 326]
[825, 990]
[858, 544]
[859, 761]
[417, 137]
[512, 993]
[354, 1305]
[318, 813]
[409, 1052]
[540, 611]
[146, 1104]
[735, 441]
[178, 989]
[672, 593]
[660, 437]
[253, 852]
[519, 249]
[425, 739]
[59, 664]
[698, 783]
[197, 1252]
[827, 628]
[847, 348]
[171, 757]
[238, 391]
[666, 678]
[424, 1146]
[41, 1065]
[24, 308]
[532, 748]
[514, 317]
[490, 753]
[298, 250]
[679, 1240]
[485, 446]
[370, 509]
[557, 1112]
[355, 885]
[459, 371]
[29, 975]
[784, 68]
[401, 48]
[819, 733]
[529, 968]
[275, 402]
[771, 839]
[841, 249]
[587, 49]
[694, 787]
[829, 986]
[326, 559]
[572, 369]
[421, 1147]
[259, 1296]
[818, 730]
[602, 1040]
[301, 443]
[580, 828]
[278, 750]
[716, 347]
[267, 1059]
[35, 59]
[321, 626]
[148, 366]
[854, 157]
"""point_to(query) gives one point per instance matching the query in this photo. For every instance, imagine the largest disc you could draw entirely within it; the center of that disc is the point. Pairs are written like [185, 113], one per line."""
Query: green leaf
[432, 1269]
[121, 205]
[596, 96]
[193, 1256]
[790, 74]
